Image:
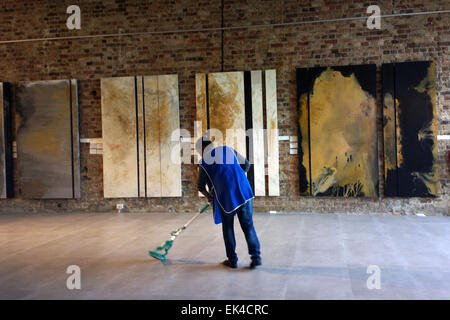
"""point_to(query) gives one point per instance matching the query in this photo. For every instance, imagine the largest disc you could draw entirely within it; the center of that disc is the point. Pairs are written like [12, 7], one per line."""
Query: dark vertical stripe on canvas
[137, 134]
[7, 103]
[299, 134]
[248, 124]
[309, 84]
[389, 136]
[69, 83]
[302, 88]
[207, 101]
[397, 184]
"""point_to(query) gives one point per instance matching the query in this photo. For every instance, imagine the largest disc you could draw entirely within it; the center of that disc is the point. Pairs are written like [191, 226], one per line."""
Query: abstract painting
[409, 127]
[162, 117]
[47, 138]
[337, 136]
[141, 157]
[120, 171]
[227, 108]
[236, 105]
[6, 177]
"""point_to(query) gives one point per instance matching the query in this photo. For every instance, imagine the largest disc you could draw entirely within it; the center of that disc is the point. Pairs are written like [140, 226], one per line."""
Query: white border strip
[443, 137]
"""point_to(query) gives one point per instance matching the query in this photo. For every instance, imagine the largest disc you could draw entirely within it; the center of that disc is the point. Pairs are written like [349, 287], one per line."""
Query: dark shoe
[255, 263]
[230, 264]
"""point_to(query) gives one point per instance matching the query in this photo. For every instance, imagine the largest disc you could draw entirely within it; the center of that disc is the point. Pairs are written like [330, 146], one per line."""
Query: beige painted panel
[120, 178]
[227, 108]
[257, 143]
[152, 137]
[200, 99]
[169, 138]
[141, 134]
[272, 133]
[44, 139]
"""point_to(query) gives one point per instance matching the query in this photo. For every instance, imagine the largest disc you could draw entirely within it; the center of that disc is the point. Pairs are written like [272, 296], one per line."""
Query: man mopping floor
[223, 170]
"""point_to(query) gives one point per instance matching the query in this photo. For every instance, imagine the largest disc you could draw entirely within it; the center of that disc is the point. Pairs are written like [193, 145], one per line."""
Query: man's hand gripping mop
[161, 252]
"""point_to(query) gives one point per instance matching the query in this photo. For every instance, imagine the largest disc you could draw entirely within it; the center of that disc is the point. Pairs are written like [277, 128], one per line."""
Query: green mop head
[159, 255]
[161, 252]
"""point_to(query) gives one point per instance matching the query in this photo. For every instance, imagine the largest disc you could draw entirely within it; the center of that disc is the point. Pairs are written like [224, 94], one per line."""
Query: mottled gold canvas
[338, 138]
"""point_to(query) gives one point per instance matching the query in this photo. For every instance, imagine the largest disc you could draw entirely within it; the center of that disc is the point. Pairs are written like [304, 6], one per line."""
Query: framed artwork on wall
[139, 116]
[409, 129]
[243, 103]
[338, 135]
[47, 136]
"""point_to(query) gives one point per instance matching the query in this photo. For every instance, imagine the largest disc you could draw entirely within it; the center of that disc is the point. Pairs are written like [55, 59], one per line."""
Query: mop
[166, 245]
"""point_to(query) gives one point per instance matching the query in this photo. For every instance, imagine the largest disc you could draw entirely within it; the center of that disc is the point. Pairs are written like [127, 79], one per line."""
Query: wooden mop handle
[195, 217]
[175, 233]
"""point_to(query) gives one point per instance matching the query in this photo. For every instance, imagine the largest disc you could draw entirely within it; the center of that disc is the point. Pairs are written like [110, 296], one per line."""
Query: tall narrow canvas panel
[337, 136]
[162, 124]
[6, 178]
[169, 135]
[47, 146]
[227, 109]
[410, 142]
[141, 123]
[256, 147]
[201, 115]
[390, 126]
[304, 87]
[272, 133]
[152, 137]
[119, 130]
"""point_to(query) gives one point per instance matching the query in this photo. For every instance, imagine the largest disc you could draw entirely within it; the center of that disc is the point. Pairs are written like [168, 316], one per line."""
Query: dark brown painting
[409, 123]
[6, 179]
[47, 139]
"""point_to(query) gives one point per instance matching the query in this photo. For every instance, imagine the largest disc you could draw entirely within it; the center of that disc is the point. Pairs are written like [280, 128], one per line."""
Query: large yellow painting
[338, 138]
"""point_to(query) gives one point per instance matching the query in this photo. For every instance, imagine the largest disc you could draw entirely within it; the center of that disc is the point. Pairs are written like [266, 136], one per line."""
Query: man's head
[201, 144]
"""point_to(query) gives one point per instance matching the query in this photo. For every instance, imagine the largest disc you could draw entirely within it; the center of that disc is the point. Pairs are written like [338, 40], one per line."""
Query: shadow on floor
[205, 265]
[390, 276]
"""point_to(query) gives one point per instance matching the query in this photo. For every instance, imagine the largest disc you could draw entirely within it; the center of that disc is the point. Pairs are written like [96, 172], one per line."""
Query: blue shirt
[225, 176]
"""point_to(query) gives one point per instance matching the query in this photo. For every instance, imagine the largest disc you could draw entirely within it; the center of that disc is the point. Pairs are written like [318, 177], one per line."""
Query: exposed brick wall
[420, 37]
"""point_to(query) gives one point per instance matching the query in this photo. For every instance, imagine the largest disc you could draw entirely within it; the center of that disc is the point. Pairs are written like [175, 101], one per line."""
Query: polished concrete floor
[305, 256]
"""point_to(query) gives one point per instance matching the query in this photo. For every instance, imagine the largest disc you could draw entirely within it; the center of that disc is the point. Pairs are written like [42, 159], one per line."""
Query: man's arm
[243, 162]
[202, 182]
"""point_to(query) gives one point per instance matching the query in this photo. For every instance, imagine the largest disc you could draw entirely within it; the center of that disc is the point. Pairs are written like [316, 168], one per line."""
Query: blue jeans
[245, 216]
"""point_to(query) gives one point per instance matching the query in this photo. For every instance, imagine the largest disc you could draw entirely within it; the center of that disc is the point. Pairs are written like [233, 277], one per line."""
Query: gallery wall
[283, 48]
